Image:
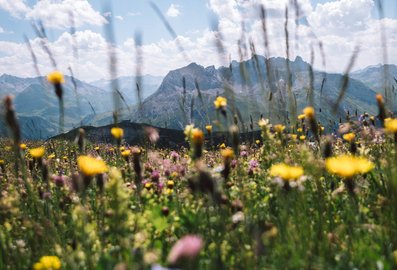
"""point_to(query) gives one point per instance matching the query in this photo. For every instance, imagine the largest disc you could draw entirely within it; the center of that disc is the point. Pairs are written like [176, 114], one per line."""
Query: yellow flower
[126, 153]
[1, 162]
[301, 116]
[170, 184]
[379, 98]
[308, 112]
[148, 185]
[48, 263]
[168, 191]
[257, 141]
[37, 152]
[90, 166]
[302, 137]
[22, 146]
[197, 136]
[349, 136]
[96, 148]
[208, 128]
[220, 102]
[262, 123]
[299, 130]
[55, 77]
[347, 166]
[322, 128]
[117, 133]
[294, 136]
[227, 153]
[279, 128]
[286, 172]
[391, 125]
[222, 146]
[188, 130]
[51, 156]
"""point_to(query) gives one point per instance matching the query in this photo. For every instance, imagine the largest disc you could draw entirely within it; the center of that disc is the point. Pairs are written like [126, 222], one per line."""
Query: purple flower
[233, 164]
[174, 156]
[160, 185]
[188, 247]
[252, 164]
[59, 180]
[243, 154]
[155, 176]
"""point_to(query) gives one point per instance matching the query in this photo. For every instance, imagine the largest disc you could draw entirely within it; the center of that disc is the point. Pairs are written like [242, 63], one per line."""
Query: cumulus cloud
[55, 14]
[341, 17]
[339, 25]
[15, 7]
[173, 11]
[161, 56]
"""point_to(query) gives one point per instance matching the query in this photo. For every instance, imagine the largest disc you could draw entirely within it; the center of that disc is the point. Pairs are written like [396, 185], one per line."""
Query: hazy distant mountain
[186, 95]
[379, 78]
[374, 76]
[249, 84]
[37, 105]
[127, 85]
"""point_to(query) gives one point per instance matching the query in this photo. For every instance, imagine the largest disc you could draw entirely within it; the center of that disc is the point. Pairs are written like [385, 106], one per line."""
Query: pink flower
[243, 153]
[155, 176]
[253, 164]
[59, 180]
[188, 247]
[152, 134]
[174, 156]
[233, 163]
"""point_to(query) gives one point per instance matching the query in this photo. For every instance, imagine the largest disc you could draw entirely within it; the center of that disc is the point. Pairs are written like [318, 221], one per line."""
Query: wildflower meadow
[295, 199]
[265, 177]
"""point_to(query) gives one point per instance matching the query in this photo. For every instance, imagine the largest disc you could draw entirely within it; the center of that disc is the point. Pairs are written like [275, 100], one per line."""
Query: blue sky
[339, 24]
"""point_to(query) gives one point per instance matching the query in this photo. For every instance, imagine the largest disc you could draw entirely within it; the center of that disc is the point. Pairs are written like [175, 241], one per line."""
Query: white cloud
[173, 11]
[55, 14]
[161, 56]
[15, 7]
[109, 14]
[3, 31]
[341, 17]
[340, 25]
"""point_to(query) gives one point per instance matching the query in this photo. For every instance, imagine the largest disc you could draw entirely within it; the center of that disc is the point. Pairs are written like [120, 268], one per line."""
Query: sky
[339, 25]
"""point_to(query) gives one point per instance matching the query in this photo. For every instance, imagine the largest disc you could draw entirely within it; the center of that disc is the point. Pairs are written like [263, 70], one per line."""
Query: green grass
[246, 221]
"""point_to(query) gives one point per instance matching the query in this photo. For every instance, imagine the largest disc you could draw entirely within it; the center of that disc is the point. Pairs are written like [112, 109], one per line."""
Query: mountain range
[254, 88]
[252, 93]
[37, 106]
[127, 86]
